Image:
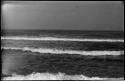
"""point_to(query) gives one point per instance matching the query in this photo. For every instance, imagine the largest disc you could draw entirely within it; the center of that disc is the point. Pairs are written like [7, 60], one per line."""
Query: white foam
[59, 51]
[62, 39]
[58, 76]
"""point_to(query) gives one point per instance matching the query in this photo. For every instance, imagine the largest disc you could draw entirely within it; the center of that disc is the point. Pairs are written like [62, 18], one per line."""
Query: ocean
[62, 55]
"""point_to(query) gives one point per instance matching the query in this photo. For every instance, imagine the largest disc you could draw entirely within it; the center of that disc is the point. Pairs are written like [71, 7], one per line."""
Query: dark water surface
[65, 33]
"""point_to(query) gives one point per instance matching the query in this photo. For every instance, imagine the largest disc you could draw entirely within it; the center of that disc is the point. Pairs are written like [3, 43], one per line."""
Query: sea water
[62, 54]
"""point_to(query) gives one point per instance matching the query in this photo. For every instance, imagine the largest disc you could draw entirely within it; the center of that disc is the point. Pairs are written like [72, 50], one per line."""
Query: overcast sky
[75, 15]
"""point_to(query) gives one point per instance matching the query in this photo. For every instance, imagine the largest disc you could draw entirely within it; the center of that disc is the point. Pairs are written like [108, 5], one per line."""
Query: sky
[63, 15]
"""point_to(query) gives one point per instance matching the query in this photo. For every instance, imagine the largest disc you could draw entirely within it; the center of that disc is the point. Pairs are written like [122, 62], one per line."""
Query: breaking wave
[59, 51]
[58, 76]
[62, 39]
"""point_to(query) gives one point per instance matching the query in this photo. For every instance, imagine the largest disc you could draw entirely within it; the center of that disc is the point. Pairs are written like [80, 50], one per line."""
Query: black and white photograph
[62, 40]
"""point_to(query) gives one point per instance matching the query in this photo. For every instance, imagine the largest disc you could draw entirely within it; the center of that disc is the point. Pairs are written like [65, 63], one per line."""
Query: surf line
[63, 39]
[59, 51]
[57, 76]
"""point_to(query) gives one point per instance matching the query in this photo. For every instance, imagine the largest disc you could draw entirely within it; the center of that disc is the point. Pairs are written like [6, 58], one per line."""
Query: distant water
[65, 33]
[18, 44]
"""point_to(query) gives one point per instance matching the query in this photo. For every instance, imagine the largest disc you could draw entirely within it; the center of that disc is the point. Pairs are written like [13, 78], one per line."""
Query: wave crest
[59, 51]
[62, 39]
